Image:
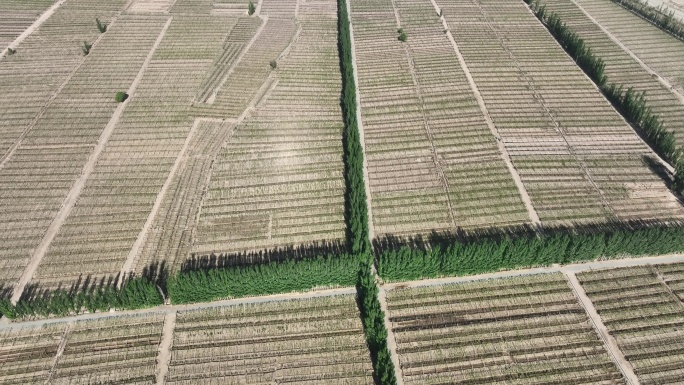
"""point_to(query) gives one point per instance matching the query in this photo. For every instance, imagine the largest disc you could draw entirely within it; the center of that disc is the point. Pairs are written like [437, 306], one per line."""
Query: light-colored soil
[391, 341]
[46, 15]
[164, 353]
[76, 189]
[602, 331]
[502, 148]
[366, 181]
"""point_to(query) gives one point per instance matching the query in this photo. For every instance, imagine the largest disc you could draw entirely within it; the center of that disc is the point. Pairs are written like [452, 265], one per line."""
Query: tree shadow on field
[293, 252]
[662, 172]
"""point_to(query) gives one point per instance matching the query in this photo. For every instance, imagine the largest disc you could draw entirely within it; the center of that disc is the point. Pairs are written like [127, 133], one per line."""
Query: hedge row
[490, 254]
[658, 16]
[135, 293]
[631, 104]
[263, 279]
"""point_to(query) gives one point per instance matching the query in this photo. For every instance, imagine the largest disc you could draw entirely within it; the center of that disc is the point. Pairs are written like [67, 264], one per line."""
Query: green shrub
[251, 8]
[120, 97]
[403, 37]
[11, 51]
[273, 64]
[102, 27]
[678, 184]
[86, 48]
[658, 16]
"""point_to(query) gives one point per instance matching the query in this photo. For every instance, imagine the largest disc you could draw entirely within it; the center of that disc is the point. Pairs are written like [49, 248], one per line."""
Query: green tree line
[659, 16]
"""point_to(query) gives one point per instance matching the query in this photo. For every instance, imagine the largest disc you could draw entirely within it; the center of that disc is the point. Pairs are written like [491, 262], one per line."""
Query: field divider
[165, 346]
[617, 41]
[391, 339]
[245, 49]
[73, 195]
[667, 287]
[28, 31]
[608, 340]
[60, 351]
[522, 190]
[359, 121]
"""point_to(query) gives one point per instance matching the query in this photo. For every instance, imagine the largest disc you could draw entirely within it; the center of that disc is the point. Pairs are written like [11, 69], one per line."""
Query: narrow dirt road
[602, 331]
[366, 180]
[32, 28]
[391, 341]
[76, 189]
[164, 353]
[522, 190]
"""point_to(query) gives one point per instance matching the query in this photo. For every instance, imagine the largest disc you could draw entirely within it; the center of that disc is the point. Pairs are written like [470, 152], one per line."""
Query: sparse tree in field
[678, 184]
[11, 51]
[403, 37]
[102, 27]
[86, 48]
[274, 64]
[120, 97]
[251, 8]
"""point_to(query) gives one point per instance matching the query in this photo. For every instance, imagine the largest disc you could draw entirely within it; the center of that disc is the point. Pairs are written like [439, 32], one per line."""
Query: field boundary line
[391, 340]
[522, 190]
[142, 235]
[210, 100]
[663, 282]
[601, 330]
[359, 122]
[60, 351]
[163, 309]
[257, 10]
[32, 28]
[165, 346]
[70, 200]
[617, 41]
[571, 268]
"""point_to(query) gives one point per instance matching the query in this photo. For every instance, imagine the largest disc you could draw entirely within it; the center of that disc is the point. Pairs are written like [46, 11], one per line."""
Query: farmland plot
[642, 309]
[621, 68]
[16, 16]
[28, 354]
[579, 160]
[279, 180]
[37, 177]
[44, 61]
[525, 330]
[120, 194]
[314, 341]
[660, 51]
[433, 163]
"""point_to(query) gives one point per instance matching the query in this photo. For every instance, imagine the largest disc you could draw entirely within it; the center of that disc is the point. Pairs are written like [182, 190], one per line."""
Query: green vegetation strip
[657, 16]
[491, 254]
[631, 104]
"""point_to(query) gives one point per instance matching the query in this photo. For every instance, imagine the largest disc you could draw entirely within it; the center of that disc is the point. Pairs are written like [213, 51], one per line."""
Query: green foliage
[102, 27]
[135, 293]
[491, 254]
[374, 323]
[678, 184]
[659, 16]
[271, 278]
[86, 48]
[251, 8]
[356, 210]
[11, 51]
[403, 37]
[120, 97]
[273, 64]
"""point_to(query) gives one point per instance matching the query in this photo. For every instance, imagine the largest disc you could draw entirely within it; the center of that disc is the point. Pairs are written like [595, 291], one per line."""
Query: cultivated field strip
[621, 68]
[662, 52]
[230, 7]
[314, 341]
[150, 6]
[16, 16]
[115, 350]
[578, 159]
[44, 61]
[170, 237]
[432, 161]
[37, 177]
[121, 191]
[642, 308]
[279, 180]
[109, 350]
[524, 330]
[27, 355]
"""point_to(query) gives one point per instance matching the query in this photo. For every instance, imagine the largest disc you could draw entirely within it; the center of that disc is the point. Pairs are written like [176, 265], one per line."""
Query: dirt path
[246, 48]
[391, 341]
[617, 41]
[608, 340]
[366, 180]
[32, 28]
[531, 212]
[135, 250]
[60, 351]
[164, 352]
[70, 200]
